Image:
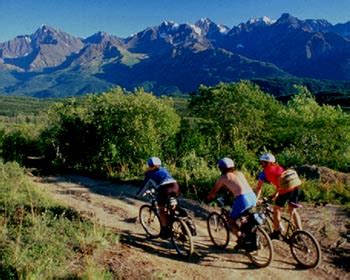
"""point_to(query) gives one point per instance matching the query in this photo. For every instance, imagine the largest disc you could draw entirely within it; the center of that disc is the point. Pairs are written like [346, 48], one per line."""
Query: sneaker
[275, 235]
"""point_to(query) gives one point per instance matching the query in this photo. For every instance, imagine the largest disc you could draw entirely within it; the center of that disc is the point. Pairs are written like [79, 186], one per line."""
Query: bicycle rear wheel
[150, 221]
[181, 238]
[305, 249]
[218, 230]
[263, 255]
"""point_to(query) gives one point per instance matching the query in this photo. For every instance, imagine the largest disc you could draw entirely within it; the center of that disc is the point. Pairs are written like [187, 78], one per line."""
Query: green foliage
[40, 239]
[235, 120]
[325, 91]
[316, 191]
[194, 175]
[12, 106]
[16, 145]
[113, 132]
[311, 133]
[241, 121]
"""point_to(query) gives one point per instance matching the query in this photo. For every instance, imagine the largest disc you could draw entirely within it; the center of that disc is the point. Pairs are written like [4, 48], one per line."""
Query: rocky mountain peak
[288, 19]
[260, 21]
[98, 38]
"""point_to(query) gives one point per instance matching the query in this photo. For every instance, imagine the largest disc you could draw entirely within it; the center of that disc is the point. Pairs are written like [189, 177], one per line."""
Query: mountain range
[174, 58]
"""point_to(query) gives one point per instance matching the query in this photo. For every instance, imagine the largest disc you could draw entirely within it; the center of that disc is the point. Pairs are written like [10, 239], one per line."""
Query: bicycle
[303, 245]
[254, 239]
[180, 224]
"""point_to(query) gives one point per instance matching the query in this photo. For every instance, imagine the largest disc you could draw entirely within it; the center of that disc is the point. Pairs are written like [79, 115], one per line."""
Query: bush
[111, 133]
[194, 175]
[315, 191]
[17, 146]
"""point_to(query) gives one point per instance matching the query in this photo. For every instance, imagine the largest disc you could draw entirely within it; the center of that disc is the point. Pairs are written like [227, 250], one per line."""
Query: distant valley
[176, 58]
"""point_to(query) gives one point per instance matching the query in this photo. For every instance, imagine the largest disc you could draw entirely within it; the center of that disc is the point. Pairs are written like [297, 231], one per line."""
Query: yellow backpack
[289, 179]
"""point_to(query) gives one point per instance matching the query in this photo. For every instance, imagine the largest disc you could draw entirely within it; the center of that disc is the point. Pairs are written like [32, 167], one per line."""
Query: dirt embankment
[136, 257]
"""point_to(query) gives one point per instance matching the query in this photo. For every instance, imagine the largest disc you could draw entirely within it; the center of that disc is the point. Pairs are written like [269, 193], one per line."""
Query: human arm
[259, 189]
[216, 188]
[147, 182]
[261, 180]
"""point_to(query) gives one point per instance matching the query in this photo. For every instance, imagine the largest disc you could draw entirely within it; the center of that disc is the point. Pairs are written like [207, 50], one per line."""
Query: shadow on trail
[205, 254]
[123, 190]
[156, 246]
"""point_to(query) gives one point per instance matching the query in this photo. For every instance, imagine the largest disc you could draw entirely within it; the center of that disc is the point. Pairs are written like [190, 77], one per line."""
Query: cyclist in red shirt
[271, 174]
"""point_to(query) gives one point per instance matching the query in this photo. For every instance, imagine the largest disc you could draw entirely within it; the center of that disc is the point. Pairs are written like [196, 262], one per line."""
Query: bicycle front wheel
[218, 230]
[181, 238]
[150, 221]
[268, 225]
[305, 249]
[263, 255]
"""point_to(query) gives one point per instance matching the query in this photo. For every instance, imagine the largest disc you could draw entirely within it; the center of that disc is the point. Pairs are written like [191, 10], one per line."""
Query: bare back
[235, 182]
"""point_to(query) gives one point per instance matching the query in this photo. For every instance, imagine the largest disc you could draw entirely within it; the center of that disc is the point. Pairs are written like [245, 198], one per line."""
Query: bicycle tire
[181, 238]
[268, 225]
[305, 249]
[218, 230]
[150, 221]
[263, 256]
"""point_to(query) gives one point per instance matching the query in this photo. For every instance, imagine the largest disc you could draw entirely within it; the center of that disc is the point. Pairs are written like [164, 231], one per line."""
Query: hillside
[113, 205]
[174, 58]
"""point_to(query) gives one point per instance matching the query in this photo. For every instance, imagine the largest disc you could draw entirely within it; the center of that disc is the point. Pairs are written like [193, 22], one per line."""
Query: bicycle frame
[286, 224]
[173, 211]
[303, 245]
[180, 226]
[254, 240]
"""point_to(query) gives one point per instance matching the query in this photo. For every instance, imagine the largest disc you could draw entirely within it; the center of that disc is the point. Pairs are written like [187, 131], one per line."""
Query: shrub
[114, 132]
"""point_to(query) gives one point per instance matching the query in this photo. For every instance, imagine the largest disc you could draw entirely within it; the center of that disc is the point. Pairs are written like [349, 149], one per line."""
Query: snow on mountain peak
[266, 20]
[196, 29]
[223, 28]
[168, 23]
[205, 20]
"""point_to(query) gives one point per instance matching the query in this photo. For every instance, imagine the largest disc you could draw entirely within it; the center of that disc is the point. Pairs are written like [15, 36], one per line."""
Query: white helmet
[268, 157]
[154, 161]
[226, 163]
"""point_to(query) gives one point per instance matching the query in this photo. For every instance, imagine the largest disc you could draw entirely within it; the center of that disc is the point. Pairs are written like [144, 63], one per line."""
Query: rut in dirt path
[114, 205]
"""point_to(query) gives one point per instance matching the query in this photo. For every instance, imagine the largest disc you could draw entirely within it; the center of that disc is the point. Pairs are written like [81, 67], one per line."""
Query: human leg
[277, 213]
[292, 208]
[295, 216]
[240, 205]
[276, 217]
[164, 193]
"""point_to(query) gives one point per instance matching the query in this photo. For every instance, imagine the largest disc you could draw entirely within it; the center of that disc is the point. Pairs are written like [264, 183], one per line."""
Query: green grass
[130, 59]
[42, 239]
[11, 106]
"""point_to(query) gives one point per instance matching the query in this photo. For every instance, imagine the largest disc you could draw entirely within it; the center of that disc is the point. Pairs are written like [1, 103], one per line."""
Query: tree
[236, 119]
[114, 131]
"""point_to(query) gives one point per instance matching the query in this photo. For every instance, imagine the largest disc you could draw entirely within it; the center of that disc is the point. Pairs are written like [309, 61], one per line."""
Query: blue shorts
[242, 203]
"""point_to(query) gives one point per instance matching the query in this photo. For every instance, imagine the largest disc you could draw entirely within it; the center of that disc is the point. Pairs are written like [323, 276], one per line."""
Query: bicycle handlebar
[221, 201]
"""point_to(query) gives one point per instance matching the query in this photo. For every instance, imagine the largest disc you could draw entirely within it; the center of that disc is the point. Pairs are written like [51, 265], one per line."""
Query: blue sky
[123, 17]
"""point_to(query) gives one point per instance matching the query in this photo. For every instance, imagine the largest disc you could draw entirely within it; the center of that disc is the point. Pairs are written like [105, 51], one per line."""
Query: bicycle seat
[295, 205]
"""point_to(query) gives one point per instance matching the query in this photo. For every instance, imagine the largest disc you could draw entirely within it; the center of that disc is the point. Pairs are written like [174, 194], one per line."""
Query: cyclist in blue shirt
[166, 186]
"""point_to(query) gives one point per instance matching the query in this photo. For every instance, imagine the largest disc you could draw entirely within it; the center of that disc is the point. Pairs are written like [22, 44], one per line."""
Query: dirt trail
[113, 205]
